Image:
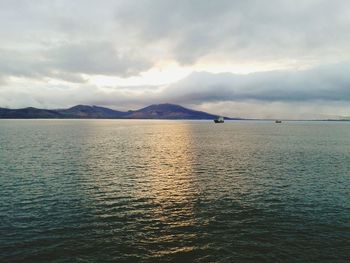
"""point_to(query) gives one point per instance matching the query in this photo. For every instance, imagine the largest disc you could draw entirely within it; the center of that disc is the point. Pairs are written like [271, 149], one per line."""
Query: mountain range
[155, 111]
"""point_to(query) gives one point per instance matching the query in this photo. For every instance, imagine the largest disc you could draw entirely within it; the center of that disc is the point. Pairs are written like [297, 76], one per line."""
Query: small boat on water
[219, 120]
[278, 121]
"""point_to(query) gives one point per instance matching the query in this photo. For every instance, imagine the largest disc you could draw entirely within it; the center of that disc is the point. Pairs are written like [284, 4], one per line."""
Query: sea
[174, 191]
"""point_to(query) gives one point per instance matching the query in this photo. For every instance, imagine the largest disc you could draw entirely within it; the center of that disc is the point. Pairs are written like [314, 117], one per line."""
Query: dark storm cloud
[327, 83]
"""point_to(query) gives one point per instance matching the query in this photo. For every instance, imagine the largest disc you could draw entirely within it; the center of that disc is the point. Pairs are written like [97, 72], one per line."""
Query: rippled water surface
[177, 191]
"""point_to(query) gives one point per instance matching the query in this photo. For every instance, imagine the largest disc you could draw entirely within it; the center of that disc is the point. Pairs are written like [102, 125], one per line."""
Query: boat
[219, 120]
[278, 121]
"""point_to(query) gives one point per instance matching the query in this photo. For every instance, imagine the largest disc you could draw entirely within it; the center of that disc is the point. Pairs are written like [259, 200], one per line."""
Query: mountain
[156, 111]
[169, 111]
[96, 112]
[28, 113]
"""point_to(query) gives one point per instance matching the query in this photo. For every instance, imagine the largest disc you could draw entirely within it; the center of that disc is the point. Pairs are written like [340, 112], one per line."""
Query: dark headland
[155, 111]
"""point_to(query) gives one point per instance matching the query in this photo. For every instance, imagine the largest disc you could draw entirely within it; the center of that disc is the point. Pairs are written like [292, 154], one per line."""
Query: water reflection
[146, 191]
[168, 182]
[145, 186]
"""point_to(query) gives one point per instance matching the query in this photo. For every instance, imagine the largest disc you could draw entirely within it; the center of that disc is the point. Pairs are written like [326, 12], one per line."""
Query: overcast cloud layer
[52, 52]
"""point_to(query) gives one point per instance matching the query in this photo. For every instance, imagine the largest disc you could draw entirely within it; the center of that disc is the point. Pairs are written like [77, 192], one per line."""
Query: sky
[243, 58]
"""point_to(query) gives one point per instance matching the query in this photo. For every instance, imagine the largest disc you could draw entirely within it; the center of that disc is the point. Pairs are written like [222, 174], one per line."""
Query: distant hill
[169, 111]
[84, 111]
[28, 113]
[156, 111]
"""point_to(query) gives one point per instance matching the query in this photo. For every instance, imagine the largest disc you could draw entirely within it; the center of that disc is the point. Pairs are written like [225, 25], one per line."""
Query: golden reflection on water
[148, 168]
[170, 166]
[168, 181]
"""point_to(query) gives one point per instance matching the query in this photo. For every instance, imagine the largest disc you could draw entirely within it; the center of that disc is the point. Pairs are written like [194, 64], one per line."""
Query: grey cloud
[327, 83]
[17, 63]
[244, 30]
[69, 61]
[125, 37]
[65, 38]
[97, 58]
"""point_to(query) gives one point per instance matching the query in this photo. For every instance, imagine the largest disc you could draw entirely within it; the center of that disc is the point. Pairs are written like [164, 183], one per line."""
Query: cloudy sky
[260, 59]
